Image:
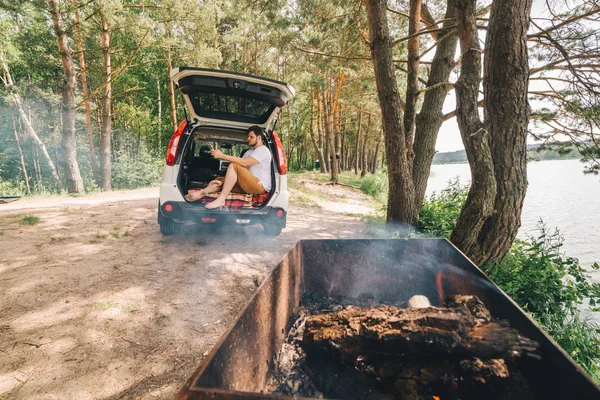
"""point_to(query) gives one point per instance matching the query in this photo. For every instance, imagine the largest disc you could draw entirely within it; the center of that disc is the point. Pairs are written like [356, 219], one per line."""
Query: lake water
[559, 194]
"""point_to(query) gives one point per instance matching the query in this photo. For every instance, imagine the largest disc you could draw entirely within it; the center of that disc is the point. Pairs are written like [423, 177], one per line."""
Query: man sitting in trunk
[248, 174]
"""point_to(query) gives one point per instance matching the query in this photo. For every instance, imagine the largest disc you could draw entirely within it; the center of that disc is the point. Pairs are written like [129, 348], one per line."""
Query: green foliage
[547, 283]
[375, 185]
[552, 287]
[440, 212]
[8, 188]
[142, 171]
[536, 275]
[29, 220]
[581, 340]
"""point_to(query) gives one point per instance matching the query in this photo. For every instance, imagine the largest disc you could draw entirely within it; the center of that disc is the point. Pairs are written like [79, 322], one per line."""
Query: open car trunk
[224, 98]
[199, 167]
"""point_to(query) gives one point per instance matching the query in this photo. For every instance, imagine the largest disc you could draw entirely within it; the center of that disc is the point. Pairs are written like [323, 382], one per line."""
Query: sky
[449, 136]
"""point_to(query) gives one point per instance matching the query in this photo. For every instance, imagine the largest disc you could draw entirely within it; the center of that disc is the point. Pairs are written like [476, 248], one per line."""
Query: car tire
[272, 230]
[168, 228]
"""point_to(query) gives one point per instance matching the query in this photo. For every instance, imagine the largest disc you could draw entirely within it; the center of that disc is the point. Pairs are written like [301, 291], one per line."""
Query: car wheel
[272, 230]
[168, 228]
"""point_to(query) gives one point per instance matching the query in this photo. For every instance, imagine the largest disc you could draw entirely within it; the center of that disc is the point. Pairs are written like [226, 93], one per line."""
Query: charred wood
[414, 333]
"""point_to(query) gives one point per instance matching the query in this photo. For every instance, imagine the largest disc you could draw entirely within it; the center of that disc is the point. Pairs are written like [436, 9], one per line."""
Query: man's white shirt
[262, 170]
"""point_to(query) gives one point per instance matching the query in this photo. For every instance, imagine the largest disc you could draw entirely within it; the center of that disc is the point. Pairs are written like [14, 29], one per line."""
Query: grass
[130, 308]
[304, 199]
[116, 230]
[98, 238]
[201, 242]
[103, 305]
[29, 220]
[160, 319]
[1, 233]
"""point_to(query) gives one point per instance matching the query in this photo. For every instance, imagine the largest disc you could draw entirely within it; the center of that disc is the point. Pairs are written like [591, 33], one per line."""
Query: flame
[440, 289]
[436, 397]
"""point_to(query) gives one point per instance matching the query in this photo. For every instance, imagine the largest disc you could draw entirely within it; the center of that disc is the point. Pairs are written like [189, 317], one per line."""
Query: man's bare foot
[216, 204]
[194, 195]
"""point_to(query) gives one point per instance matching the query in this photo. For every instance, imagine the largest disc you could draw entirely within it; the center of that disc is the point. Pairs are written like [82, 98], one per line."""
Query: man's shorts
[246, 182]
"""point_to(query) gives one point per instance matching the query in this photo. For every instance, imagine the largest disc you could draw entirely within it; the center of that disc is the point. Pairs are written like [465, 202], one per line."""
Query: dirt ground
[96, 304]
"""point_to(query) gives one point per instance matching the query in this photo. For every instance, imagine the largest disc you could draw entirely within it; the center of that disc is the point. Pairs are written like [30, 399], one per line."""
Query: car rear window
[233, 108]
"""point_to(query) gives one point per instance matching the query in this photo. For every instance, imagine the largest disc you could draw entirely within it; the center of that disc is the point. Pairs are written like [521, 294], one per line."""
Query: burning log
[417, 352]
[414, 333]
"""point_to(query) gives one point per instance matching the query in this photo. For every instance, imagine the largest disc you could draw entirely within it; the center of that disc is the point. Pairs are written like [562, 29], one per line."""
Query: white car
[222, 105]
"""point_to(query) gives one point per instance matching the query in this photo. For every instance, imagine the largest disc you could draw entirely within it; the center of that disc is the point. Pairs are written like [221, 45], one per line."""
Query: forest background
[87, 103]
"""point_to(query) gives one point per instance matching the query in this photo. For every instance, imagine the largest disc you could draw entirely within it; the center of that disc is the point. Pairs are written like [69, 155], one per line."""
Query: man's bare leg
[228, 184]
[194, 195]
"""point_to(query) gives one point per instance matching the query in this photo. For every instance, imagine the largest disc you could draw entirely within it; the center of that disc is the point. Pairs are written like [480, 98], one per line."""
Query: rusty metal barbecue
[241, 363]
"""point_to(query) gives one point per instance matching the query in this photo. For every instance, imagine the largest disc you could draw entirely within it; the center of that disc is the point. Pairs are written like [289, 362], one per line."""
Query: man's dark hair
[258, 131]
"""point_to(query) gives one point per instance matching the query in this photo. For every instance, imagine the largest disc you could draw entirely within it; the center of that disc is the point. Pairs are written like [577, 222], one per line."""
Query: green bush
[375, 185]
[440, 211]
[8, 188]
[550, 286]
[142, 171]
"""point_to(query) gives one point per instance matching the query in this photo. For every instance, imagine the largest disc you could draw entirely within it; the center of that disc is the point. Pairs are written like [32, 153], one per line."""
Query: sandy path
[96, 304]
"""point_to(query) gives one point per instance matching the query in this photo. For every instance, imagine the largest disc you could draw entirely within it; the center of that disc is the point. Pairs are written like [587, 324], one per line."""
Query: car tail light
[281, 160]
[209, 220]
[280, 213]
[174, 143]
[168, 207]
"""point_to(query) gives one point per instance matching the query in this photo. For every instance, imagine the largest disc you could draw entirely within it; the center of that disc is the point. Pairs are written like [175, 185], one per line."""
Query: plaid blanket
[237, 201]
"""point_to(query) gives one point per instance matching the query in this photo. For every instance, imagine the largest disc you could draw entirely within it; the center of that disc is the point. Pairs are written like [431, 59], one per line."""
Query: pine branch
[546, 32]
[115, 75]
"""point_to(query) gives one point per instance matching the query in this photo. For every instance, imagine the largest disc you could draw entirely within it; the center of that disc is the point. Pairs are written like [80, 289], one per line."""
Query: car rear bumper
[183, 212]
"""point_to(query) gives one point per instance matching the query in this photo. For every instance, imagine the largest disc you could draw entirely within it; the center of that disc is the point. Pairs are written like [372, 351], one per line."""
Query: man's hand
[216, 154]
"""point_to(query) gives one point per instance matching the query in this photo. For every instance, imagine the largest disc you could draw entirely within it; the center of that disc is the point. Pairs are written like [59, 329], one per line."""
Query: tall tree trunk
[171, 87]
[480, 201]
[69, 144]
[356, 149]
[412, 83]
[376, 156]
[36, 164]
[289, 132]
[322, 143]
[15, 98]
[106, 123]
[505, 88]
[318, 150]
[85, 90]
[299, 152]
[365, 151]
[159, 114]
[506, 75]
[23, 167]
[329, 135]
[343, 158]
[336, 115]
[401, 207]
[430, 118]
